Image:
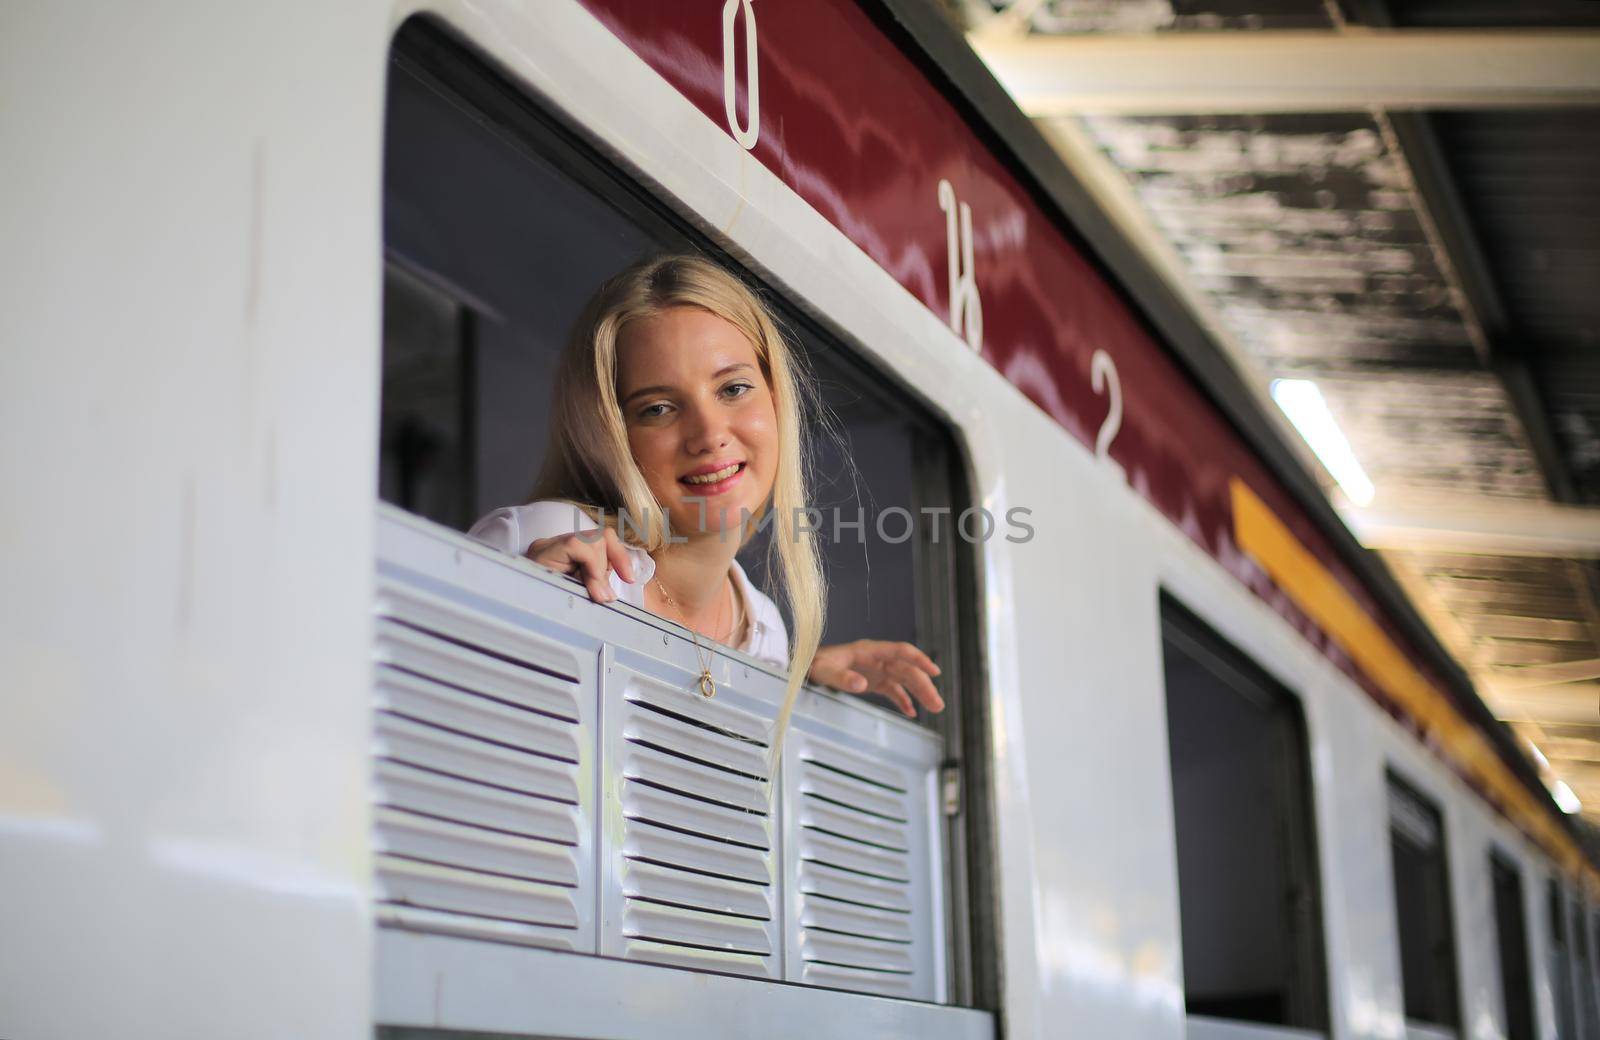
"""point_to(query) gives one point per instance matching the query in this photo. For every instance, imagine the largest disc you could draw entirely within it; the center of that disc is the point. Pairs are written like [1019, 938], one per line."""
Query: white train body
[193, 280]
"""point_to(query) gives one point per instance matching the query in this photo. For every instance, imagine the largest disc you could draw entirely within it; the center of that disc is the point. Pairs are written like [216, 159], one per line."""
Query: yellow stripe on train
[1258, 531]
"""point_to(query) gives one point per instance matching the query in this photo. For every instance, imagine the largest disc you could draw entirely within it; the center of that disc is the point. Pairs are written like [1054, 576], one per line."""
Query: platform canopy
[1398, 201]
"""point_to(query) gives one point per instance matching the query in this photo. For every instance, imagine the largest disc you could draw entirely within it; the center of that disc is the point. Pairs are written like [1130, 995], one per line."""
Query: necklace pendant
[708, 686]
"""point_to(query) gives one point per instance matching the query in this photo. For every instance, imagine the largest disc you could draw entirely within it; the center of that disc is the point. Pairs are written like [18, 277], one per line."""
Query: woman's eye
[654, 411]
[737, 389]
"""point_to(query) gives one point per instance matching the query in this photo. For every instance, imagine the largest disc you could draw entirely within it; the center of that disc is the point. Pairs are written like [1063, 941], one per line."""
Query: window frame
[1585, 1007]
[1560, 959]
[1394, 780]
[1519, 1018]
[1206, 645]
[1591, 922]
[431, 52]
[438, 54]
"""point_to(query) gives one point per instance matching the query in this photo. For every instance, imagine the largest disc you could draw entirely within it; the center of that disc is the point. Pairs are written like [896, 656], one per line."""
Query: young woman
[677, 425]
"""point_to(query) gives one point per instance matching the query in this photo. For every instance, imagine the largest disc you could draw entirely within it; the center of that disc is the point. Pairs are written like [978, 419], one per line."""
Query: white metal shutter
[862, 863]
[548, 774]
[693, 860]
[483, 761]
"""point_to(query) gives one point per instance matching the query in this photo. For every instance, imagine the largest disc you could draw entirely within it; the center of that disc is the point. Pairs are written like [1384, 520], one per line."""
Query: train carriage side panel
[184, 804]
[190, 315]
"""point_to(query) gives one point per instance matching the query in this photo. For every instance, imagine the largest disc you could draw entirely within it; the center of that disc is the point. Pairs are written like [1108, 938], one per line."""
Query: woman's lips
[717, 487]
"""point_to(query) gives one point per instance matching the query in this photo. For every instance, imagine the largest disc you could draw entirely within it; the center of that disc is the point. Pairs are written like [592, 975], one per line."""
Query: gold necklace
[706, 684]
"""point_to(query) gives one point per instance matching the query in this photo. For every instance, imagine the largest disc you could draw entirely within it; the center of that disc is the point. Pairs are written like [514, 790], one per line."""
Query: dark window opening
[1560, 965]
[426, 451]
[1511, 935]
[1247, 877]
[1594, 962]
[1583, 978]
[1422, 907]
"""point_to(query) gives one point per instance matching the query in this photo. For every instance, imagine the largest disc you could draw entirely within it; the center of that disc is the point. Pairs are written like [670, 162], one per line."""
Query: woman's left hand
[899, 671]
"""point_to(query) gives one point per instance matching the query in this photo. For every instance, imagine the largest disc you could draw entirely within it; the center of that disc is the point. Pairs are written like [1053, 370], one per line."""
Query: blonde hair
[590, 463]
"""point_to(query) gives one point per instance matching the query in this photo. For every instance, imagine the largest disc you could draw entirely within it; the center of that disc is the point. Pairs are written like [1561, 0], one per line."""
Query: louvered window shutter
[861, 868]
[694, 860]
[482, 734]
[546, 774]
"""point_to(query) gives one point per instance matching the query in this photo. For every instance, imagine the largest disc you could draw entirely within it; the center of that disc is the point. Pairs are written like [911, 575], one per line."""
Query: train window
[1560, 964]
[1511, 936]
[497, 227]
[1583, 977]
[426, 426]
[1594, 959]
[1422, 907]
[499, 222]
[1247, 863]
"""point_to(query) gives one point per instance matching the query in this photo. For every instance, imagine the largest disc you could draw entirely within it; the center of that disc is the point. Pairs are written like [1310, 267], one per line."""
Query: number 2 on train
[1103, 377]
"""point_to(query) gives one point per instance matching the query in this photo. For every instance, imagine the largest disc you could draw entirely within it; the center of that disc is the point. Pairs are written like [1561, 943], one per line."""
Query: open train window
[1422, 907]
[1583, 973]
[499, 222]
[1560, 963]
[1594, 960]
[1593, 980]
[497, 227]
[1247, 862]
[1511, 940]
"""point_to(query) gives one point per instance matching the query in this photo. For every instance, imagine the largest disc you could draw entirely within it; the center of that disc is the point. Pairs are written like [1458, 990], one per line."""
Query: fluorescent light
[1302, 402]
[1565, 800]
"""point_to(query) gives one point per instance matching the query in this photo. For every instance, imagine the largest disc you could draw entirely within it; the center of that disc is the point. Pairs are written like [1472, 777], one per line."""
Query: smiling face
[700, 417]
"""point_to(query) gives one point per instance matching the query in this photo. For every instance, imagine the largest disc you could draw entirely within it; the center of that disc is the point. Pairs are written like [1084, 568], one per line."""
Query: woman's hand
[588, 556]
[899, 671]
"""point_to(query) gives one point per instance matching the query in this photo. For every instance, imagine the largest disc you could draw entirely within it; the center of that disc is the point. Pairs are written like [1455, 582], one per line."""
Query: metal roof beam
[1539, 676]
[1478, 526]
[1567, 705]
[1280, 71]
[1503, 352]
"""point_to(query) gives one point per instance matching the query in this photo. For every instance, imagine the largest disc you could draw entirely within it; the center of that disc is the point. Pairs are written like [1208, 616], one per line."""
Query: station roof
[1400, 201]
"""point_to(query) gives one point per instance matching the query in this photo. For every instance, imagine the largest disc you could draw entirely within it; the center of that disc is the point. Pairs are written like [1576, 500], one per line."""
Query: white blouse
[513, 528]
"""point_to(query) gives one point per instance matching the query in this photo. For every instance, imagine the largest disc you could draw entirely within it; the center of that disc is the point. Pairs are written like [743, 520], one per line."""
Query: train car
[285, 753]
